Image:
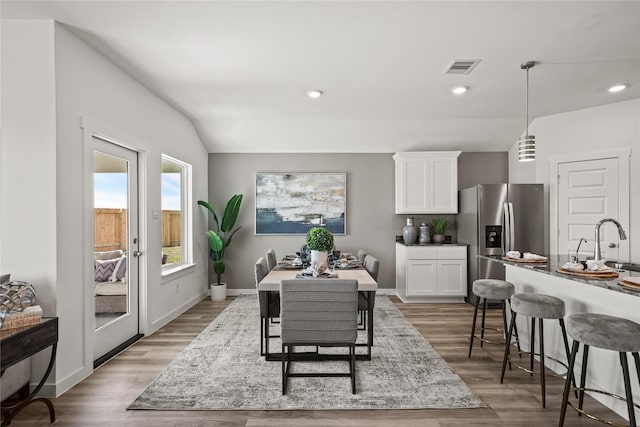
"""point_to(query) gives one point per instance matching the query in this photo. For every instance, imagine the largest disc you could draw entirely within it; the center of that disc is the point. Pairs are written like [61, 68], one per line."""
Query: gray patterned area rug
[222, 370]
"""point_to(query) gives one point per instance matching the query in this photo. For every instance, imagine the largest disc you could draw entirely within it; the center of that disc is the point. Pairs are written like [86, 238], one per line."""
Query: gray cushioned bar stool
[536, 306]
[490, 289]
[609, 333]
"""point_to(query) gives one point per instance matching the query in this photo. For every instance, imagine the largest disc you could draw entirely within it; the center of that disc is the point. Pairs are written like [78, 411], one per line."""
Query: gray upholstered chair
[261, 270]
[372, 265]
[318, 312]
[272, 260]
[362, 254]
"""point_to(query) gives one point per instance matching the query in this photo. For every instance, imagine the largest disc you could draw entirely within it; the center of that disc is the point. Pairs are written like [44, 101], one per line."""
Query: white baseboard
[157, 324]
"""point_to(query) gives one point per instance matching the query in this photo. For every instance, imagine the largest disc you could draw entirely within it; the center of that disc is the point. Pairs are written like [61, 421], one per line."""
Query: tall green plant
[438, 225]
[220, 237]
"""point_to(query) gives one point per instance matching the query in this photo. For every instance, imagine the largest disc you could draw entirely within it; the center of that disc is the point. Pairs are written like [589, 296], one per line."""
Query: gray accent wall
[372, 224]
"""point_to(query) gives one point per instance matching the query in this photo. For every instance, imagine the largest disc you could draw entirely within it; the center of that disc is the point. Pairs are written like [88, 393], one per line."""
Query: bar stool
[609, 333]
[492, 289]
[536, 306]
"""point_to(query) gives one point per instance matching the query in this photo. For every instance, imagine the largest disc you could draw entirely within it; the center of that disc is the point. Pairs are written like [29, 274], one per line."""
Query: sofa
[110, 281]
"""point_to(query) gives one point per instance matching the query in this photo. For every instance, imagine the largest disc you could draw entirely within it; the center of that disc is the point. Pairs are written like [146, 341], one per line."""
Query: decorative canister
[424, 233]
[409, 232]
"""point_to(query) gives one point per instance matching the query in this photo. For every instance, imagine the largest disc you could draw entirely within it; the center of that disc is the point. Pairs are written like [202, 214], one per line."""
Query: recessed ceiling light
[314, 93]
[617, 88]
[459, 90]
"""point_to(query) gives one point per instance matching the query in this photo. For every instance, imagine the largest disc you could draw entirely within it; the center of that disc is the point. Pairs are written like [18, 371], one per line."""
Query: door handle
[137, 253]
[612, 245]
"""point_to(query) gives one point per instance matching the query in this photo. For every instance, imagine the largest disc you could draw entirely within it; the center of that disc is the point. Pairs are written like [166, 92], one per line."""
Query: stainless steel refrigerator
[495, 218]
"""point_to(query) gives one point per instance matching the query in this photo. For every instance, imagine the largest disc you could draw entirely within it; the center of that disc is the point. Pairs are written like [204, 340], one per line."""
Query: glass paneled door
[115, 246]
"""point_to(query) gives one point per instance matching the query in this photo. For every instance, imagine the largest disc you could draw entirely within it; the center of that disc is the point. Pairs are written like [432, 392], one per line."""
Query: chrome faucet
[597, 255]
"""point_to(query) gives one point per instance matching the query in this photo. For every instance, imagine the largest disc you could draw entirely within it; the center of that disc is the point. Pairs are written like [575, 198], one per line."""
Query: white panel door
[421, 277]
[443, 184]
[452, 277]
[588, 192]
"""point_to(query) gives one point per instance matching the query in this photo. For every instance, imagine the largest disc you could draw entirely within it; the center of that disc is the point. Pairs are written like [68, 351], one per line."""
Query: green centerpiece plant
[319, 242]
[438, 226]
[220, 237]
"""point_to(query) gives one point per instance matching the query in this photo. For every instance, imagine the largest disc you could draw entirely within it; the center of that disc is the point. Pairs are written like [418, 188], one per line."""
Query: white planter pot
[319, 257]
[218, 292]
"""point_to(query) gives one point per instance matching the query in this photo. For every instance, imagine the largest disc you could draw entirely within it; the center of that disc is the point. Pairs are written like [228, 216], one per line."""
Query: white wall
[46, 157]
[602, 128]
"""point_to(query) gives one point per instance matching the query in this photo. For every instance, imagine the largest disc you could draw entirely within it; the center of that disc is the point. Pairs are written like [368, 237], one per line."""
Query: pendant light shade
[527, 143]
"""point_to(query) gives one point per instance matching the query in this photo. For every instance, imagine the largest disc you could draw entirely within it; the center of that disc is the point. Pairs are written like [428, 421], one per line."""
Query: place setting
[525, 257]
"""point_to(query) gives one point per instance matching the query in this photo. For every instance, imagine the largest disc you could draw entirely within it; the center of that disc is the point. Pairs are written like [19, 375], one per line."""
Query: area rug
[222, 370]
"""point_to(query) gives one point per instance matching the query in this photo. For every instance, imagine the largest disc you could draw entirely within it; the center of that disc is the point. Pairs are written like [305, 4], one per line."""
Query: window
[176, 214]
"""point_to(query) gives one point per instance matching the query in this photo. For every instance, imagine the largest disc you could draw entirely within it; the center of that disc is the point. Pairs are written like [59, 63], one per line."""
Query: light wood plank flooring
[101, 399]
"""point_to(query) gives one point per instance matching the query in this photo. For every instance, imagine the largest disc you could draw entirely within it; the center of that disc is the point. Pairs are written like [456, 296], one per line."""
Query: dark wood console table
[18, 344]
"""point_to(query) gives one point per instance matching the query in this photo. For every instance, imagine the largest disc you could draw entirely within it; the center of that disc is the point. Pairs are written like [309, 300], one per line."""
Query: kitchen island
[580, 295]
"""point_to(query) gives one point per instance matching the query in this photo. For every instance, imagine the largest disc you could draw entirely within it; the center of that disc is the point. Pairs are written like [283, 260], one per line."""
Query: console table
[20, 343]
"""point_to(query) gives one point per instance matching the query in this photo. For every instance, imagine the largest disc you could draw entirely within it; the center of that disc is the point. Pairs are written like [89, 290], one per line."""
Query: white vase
[319, 257]
[218, 292]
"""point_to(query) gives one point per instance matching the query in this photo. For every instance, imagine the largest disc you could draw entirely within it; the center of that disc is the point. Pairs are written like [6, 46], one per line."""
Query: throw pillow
[120, 270]
[104, 269]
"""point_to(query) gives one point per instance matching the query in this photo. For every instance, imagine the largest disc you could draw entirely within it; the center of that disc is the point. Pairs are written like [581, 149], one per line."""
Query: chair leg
[542, 373]
[507, 346]
[352, 352]
[515, 334]
[284, 372]
[566, 347]
[532, 344]
[261, 336]
[583, 376]
[636, 357]
[627, 389]
[567, 384]
[484, 312]
[473, 325]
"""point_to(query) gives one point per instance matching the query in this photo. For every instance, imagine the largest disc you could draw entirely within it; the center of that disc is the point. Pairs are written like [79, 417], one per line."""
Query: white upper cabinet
[426, 182]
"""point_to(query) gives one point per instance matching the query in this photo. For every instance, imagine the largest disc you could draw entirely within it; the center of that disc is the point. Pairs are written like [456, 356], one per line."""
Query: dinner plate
[347, 266]
[288, 266]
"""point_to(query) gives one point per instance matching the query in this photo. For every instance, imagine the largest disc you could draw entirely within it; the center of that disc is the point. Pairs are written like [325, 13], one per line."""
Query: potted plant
[438, 225]
[219, 239]
[319, 242]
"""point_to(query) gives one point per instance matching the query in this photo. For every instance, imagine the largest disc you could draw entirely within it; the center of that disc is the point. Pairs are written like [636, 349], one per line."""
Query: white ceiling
[240, 69]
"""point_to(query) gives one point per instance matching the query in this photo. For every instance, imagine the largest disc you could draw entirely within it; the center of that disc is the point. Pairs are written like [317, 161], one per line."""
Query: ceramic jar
[424, 234]
[409, 232]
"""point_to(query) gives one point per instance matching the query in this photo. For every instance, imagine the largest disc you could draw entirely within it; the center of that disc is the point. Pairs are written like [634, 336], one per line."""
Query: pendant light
[527, 143]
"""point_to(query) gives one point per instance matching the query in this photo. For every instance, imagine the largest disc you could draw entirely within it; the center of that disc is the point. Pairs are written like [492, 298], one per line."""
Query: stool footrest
[593, 417]
[529, 371]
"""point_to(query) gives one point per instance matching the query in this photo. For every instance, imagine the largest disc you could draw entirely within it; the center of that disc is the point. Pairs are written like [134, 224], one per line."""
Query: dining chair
[362, 254]
[261, 270]
[272, 260]
[318, 312]
[372, 265]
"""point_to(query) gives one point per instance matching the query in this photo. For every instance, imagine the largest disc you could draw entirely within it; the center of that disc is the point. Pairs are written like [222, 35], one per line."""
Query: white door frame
[91, 129]
[623, 155]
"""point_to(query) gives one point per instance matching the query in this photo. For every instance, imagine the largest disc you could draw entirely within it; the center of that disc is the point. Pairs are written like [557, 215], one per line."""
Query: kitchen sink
[629, 266]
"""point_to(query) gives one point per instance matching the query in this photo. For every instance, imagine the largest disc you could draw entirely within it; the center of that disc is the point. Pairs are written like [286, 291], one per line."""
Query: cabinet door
[412, 176]
[443, 185]
[452, 277]
[421, 277]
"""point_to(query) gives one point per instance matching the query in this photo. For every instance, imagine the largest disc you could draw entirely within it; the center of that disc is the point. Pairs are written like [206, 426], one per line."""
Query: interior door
[115, 246]
[587, 193]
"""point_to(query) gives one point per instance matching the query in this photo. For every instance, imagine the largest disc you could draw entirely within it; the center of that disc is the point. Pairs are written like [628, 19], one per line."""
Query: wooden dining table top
[271, 281]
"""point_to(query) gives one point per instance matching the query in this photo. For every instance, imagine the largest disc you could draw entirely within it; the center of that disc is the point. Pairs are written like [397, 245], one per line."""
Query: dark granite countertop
[556, 261]
[432, 244]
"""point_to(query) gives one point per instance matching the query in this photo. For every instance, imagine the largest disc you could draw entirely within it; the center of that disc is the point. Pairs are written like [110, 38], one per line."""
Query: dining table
[366, 284]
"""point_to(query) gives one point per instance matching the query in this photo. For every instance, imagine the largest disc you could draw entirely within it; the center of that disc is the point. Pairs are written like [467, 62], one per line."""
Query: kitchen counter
[580, 295]
[432, 244]
[556, 261]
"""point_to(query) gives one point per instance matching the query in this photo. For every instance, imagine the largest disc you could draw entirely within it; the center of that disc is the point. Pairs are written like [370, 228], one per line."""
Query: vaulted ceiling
[240, 70]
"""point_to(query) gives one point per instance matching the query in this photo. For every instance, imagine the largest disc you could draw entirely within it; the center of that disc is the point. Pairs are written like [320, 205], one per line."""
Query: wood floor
[101, 399]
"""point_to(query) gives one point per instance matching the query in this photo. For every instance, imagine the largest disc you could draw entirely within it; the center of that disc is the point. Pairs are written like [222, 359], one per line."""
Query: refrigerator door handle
[507, 228]
[512, 228]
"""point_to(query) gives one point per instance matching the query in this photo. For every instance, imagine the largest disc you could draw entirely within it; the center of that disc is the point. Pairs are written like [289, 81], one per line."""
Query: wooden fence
[110, 227]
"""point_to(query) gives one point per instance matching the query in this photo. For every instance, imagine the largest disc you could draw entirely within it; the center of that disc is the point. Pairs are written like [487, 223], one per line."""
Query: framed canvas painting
[292, 203]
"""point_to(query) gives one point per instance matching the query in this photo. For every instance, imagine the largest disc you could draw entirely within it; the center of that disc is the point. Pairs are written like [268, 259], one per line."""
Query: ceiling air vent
[461, 66]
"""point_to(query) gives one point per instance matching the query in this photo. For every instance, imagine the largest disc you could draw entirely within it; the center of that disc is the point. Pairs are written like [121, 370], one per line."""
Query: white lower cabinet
[431, 273]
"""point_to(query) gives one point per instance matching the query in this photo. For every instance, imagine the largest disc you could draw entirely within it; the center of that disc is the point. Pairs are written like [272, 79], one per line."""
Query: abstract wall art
[291, 203]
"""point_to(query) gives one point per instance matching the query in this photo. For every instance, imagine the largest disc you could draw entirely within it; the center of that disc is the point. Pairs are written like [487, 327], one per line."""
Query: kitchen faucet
[597, 255]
